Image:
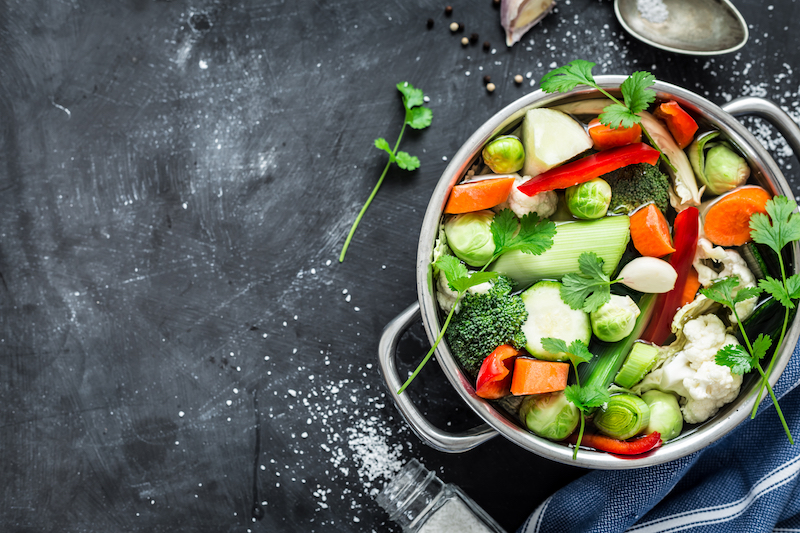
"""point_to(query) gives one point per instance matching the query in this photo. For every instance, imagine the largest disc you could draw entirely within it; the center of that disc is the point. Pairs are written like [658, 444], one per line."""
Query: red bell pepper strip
[494, 377]
[619, 447]
[686, 231]
[680, 124]
[590, 167]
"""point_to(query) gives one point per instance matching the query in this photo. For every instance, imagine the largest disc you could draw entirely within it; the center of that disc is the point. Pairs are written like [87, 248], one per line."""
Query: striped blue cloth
[748, 481]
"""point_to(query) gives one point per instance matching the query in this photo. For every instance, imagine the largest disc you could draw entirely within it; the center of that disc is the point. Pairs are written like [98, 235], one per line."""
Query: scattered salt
[655, 11]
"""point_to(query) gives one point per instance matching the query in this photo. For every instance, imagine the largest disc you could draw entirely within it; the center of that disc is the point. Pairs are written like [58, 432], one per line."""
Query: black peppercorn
[448, 10]
[487, 79]
[486, 45]
[430, 23]
[473, 38]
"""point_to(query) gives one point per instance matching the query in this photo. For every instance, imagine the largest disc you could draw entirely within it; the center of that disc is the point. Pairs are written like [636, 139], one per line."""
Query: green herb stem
[580, 437]
[371, 196]
[775, 402]
[433, 348]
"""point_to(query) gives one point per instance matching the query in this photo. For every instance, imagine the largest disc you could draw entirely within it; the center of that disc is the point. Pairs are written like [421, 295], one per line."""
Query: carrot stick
[691, 287]
[532, 376]
[605, 137]
[650, 232]
[727, 221]
[679, 123]
[477, 195]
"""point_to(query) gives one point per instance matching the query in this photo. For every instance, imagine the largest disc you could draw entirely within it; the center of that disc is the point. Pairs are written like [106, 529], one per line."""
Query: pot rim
[764, 169]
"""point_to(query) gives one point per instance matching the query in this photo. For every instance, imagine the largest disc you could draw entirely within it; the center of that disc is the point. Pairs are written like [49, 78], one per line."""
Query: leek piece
[607, 237]
[638, 363]
[623, 416]
[609, 356]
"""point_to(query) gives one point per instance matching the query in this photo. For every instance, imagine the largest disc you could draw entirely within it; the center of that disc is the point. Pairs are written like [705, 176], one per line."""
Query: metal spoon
[694, 27]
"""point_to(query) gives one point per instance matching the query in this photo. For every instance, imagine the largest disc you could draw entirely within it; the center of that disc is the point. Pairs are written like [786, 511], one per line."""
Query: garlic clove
[649, 275]
[518, 16]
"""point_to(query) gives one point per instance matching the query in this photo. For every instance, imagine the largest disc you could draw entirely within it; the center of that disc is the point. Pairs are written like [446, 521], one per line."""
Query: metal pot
[764, 171]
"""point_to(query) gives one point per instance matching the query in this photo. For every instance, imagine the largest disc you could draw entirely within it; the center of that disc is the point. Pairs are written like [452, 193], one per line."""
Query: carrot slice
[477, 195]
[605, 137]
[679, 123]
[650, 232]
[691, 287]
[532, 376]
[727, 221]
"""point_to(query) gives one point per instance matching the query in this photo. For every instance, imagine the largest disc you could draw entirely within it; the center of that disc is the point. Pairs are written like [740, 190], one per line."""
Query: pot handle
[429, 434]
[770, 111]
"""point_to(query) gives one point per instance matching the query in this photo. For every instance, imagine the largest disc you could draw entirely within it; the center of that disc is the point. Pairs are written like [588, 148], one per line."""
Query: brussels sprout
[665, 414]
[551, 416]
[615, 319]
[470, 237]
[504, 155]
[590, 199]
[623, 416]
[717, 165]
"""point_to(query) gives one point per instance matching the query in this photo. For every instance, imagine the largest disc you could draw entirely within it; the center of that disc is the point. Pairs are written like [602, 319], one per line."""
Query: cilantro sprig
[636, 95]
[417, 117]
[742, 359]
[530, 235]
[590, 289]
[586, 398]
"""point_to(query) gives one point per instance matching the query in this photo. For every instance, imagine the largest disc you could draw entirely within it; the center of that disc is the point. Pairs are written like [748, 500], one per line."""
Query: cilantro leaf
[784, 227]
[577, 351]
[793, 286]
[554, 345]
[735, 357]
[458, 277]
[775, 288]
[589, 290]
[383, 144]
[569, 76]
[636, 92]
[419, 117]
[618, 116]
[761, 345]
[745, 293]
[586, 398]
[535, 235]
[412, 97]
[721, 291]
[406, 161]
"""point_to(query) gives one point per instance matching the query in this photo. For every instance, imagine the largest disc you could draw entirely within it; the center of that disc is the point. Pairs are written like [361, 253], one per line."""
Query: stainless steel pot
[764, 171]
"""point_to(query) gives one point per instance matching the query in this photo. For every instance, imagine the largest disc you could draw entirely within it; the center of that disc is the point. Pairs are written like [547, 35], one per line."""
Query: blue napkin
[749, 481]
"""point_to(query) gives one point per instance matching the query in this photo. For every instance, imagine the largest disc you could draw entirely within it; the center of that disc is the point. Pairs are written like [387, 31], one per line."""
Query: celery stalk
[607, 237]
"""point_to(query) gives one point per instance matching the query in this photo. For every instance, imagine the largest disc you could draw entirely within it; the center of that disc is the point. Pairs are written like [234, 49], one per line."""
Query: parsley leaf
[617, 116]
[587, 398]
[535, 235]
[590, 289]
[406, 161]
[785, 226]
[745, 293]
[637, 93]
[775, 288]
[761, 345]
[793, 286]
[566, 78]
[735, 357]
[417, 117]
[721, 291]
[577, 351]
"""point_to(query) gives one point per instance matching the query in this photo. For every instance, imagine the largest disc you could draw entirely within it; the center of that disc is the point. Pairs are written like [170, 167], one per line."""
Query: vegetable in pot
[649, 275]
[620, 447]
[636, 185]
[549, 316]
[470, 237]
[680, 124]
[589, 200]
[504, 155]
[717, 165]
[638, 363]
[726, 220]
[486, 321]
[532, 376]
[622, 417]
[615, 319]
[665, 414]
[550, 416]
[494, 377]
[483, 193]
[605, 137]
[551, 137]
[650, 232]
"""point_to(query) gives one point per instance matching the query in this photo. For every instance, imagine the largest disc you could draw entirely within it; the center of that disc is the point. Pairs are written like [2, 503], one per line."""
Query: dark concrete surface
[180, 349]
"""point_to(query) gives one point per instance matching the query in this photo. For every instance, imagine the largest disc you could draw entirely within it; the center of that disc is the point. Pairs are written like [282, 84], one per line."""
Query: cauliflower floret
[732, 265]
[446, 296]
[703, 385]
[544, 204]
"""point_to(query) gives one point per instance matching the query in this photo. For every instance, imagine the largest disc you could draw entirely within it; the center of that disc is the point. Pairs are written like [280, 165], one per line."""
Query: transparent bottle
[421, 503]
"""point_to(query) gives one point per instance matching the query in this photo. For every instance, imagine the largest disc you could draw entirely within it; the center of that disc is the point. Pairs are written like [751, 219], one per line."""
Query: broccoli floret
[636, 185]
[485, 321]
